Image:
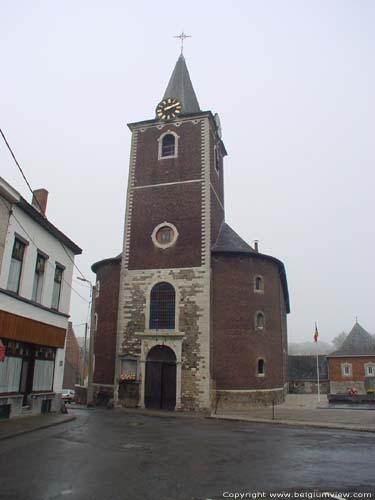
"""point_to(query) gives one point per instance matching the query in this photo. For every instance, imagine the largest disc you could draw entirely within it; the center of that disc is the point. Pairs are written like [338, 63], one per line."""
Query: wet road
[113, 455]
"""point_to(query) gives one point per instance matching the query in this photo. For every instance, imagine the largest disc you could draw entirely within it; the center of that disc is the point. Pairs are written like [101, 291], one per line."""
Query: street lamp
[90, 387]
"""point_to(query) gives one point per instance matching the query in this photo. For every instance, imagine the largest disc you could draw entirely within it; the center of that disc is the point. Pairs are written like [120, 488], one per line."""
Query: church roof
[96, 265]
[181, 88]
[358, 343]
[229, 241]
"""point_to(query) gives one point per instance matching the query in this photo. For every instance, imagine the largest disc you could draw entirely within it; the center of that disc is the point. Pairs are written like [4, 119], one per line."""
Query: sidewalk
[22, 425]
[305, 410]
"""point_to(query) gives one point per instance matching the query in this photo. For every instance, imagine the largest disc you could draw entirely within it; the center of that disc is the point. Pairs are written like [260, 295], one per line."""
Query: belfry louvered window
[162, 307]
[168, 145]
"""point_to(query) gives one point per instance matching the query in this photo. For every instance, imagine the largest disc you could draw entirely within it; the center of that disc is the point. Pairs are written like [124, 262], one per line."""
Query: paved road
[115, 455]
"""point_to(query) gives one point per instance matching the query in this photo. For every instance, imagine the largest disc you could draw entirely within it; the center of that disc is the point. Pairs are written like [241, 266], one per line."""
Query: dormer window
[168, 145]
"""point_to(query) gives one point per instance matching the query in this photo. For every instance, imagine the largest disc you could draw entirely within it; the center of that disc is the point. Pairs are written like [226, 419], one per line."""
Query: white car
[67, 395]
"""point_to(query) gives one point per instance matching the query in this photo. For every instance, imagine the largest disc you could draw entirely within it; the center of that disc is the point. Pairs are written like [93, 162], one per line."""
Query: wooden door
[160, 383]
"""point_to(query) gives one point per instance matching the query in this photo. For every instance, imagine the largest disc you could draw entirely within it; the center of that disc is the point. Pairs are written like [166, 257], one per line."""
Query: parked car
[67, 395]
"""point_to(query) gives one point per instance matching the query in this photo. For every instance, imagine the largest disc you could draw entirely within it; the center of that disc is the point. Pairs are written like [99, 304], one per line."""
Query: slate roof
[229, 241]
[303, 368]
[358, 343]
[181, 88]
[96, 265]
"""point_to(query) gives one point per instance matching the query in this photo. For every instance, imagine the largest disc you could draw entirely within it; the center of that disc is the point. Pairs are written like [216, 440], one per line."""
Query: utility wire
[36, 246]
[35, 199]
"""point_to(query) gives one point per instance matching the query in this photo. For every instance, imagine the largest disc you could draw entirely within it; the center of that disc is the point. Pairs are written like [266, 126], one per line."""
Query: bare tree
[339, 340]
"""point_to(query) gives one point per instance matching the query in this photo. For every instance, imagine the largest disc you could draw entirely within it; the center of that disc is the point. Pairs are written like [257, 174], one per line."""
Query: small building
[36, 270]
[302, 374]
[72, 360]
[352, 367]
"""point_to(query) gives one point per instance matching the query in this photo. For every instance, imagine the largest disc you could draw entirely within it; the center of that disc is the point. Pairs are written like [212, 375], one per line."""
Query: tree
[339, 340]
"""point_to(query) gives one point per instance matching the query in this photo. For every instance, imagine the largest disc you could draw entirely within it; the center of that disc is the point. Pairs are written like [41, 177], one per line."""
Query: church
[189, 316]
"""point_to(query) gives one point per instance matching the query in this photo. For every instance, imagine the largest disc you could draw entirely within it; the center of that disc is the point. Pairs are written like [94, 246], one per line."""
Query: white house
[36, 271]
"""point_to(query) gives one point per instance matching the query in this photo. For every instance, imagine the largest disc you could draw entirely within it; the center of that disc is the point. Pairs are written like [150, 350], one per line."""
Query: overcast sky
[293, 83]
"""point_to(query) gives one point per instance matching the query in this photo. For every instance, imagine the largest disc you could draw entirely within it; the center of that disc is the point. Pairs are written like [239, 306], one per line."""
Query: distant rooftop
[359, 342]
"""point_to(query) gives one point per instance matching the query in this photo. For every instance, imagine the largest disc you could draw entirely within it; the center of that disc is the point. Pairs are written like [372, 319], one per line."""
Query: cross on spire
[182, 37]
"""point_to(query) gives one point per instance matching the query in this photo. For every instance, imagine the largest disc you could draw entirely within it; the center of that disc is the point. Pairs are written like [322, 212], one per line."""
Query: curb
[44, 426]
[293, 423]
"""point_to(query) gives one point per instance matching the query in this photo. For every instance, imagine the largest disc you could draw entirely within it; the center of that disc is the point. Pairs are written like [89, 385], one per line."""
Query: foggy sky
[293, 83]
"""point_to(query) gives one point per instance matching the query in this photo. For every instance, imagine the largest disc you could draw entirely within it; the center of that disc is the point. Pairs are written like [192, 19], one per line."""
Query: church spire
[181, 88]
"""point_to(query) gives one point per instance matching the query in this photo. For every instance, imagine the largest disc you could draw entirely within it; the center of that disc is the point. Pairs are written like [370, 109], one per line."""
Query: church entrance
[160, 384]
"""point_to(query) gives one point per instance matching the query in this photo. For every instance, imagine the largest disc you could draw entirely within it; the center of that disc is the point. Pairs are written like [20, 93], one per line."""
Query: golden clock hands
[171, 106]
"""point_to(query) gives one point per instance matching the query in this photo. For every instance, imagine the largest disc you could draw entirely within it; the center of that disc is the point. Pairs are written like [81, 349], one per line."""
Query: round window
[164, 235]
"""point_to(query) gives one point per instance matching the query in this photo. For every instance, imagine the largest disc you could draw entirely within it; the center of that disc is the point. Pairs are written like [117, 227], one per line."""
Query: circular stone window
[164, 235]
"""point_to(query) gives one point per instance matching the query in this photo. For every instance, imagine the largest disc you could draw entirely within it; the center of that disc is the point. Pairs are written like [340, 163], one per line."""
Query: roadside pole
[317, 370]
[90, 386]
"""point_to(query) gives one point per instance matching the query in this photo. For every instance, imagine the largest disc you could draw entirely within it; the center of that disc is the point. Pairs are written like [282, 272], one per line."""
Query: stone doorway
[160, 384]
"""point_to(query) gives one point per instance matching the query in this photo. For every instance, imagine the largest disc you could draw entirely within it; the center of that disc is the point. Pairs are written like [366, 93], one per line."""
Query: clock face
[168, 109]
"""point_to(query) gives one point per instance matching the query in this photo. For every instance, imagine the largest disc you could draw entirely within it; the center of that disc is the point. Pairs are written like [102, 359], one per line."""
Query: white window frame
[13, 261]
[367, 369]
[258, 328]
[343, 369]
[160, 145]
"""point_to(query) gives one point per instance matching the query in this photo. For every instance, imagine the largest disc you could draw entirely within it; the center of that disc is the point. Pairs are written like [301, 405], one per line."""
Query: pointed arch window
[162, 307]
[259, 321]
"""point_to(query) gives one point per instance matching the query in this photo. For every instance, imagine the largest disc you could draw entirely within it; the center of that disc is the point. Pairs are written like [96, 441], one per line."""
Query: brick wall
[237, 345]
[72, 360]
[106, 308]
[339, 384]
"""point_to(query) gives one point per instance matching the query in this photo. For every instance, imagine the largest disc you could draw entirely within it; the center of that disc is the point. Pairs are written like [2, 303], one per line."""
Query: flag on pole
[316, 334]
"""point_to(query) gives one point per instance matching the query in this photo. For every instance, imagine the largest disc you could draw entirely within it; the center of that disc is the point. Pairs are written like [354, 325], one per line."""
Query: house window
[40, 266]
[261, 370]
[259, 321]
[346, 369]
[370, 370]
[16, 262]
[258, 284]
[57, 283]
[162, 307]
[168, 145]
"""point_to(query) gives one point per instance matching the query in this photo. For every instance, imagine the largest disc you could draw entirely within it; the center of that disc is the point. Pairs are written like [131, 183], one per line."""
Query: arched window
[259, 321]
[258, 284]
[168, 146]
[261, 367]
[162, 307]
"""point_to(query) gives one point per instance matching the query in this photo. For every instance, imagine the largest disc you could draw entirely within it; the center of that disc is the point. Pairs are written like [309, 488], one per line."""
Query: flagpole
[316, 334]
[317, 369]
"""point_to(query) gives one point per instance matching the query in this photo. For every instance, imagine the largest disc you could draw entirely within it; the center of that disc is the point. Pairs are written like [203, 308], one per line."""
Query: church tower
[174, 211]
[189, 316]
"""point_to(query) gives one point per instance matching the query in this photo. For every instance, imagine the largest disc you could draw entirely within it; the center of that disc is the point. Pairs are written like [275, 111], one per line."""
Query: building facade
[201, 318]
[352, 367]
[36, 272]
[72, 364]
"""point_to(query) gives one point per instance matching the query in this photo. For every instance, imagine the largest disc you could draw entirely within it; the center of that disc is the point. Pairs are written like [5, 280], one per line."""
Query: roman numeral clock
[168, 109]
